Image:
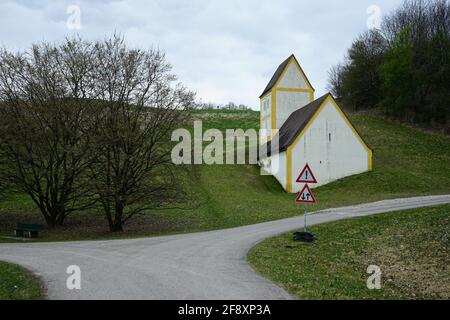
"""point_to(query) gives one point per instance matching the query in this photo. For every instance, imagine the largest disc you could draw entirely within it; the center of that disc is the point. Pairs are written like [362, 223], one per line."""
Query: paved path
[207, 265]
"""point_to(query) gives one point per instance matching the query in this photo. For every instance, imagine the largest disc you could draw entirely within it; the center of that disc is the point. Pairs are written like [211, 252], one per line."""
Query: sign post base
[304, 237]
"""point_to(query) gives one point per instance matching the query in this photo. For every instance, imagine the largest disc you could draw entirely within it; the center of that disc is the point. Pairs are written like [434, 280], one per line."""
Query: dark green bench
[28, 230]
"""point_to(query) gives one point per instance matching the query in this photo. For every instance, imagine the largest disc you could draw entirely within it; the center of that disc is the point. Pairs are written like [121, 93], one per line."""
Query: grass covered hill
[410, 248]
[17, 283]
[407, 162]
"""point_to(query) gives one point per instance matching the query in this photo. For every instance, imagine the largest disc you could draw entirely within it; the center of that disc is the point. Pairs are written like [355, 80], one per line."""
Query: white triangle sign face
[306, 176]
[305, 196]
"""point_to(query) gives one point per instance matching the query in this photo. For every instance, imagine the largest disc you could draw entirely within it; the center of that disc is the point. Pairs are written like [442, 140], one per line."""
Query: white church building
[309, 131]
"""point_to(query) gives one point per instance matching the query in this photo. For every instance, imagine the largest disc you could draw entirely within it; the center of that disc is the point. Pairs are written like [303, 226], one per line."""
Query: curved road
[206, 265]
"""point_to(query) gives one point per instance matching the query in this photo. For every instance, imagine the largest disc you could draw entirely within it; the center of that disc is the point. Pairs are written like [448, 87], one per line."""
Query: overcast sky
[224, 50]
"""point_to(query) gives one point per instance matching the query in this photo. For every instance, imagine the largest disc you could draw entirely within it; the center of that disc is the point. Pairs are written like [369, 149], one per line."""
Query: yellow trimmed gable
[305, 129]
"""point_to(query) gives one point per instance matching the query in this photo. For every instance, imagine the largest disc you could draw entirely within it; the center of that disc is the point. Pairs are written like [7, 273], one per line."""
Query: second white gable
[292, 78]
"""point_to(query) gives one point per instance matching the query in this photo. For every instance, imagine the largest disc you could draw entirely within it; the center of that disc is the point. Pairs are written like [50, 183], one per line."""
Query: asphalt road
[207, 265]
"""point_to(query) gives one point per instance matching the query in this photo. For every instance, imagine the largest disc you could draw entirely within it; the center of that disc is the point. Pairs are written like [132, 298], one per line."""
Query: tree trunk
[60, 218]
[51, 221]
[116, 227]
[54, 216]
[116, 224]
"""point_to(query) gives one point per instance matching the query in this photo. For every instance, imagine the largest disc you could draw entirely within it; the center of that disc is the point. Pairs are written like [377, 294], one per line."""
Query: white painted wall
[288, 102]
[292, 78]
[329, 160]
[276, 166]
[266, 110]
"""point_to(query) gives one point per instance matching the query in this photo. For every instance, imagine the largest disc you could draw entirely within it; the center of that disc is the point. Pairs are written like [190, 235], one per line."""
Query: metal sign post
[305, 196]
[306, 213]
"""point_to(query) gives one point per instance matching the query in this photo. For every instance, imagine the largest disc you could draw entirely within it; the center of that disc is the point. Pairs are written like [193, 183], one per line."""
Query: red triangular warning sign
[306, 176]
[305, 196]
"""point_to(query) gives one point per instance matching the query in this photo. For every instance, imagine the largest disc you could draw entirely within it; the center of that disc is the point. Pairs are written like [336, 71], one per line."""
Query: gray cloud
[224, 50]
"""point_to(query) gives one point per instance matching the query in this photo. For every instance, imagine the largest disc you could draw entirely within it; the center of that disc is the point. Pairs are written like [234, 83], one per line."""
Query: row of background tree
[402, 68]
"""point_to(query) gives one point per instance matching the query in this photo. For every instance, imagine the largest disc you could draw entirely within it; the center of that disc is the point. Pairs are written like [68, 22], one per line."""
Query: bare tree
[356, 82]
[335, 80]
[140, 108]
[86, 122]
[423, 19]
[45, 123]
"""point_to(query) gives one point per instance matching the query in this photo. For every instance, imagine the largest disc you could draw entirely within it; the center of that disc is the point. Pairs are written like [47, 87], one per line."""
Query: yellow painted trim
[301, 73]
[283, 73]
[273, 110]
[291, 147]
[365, 146]
[294, 90]
[289, 170]
[275, 88]
[311, 92]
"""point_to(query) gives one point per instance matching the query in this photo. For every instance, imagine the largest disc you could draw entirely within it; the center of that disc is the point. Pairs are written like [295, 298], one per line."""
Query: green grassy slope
[410, 247]
[16, 283]
[407, 162]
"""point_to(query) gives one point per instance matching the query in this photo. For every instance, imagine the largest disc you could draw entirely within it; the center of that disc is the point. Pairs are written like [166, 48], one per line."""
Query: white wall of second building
[288, 102]
[331, 148]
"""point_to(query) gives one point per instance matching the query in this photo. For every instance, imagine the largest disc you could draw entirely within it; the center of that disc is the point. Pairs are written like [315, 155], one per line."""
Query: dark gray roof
[294, 125]
[278, 73]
